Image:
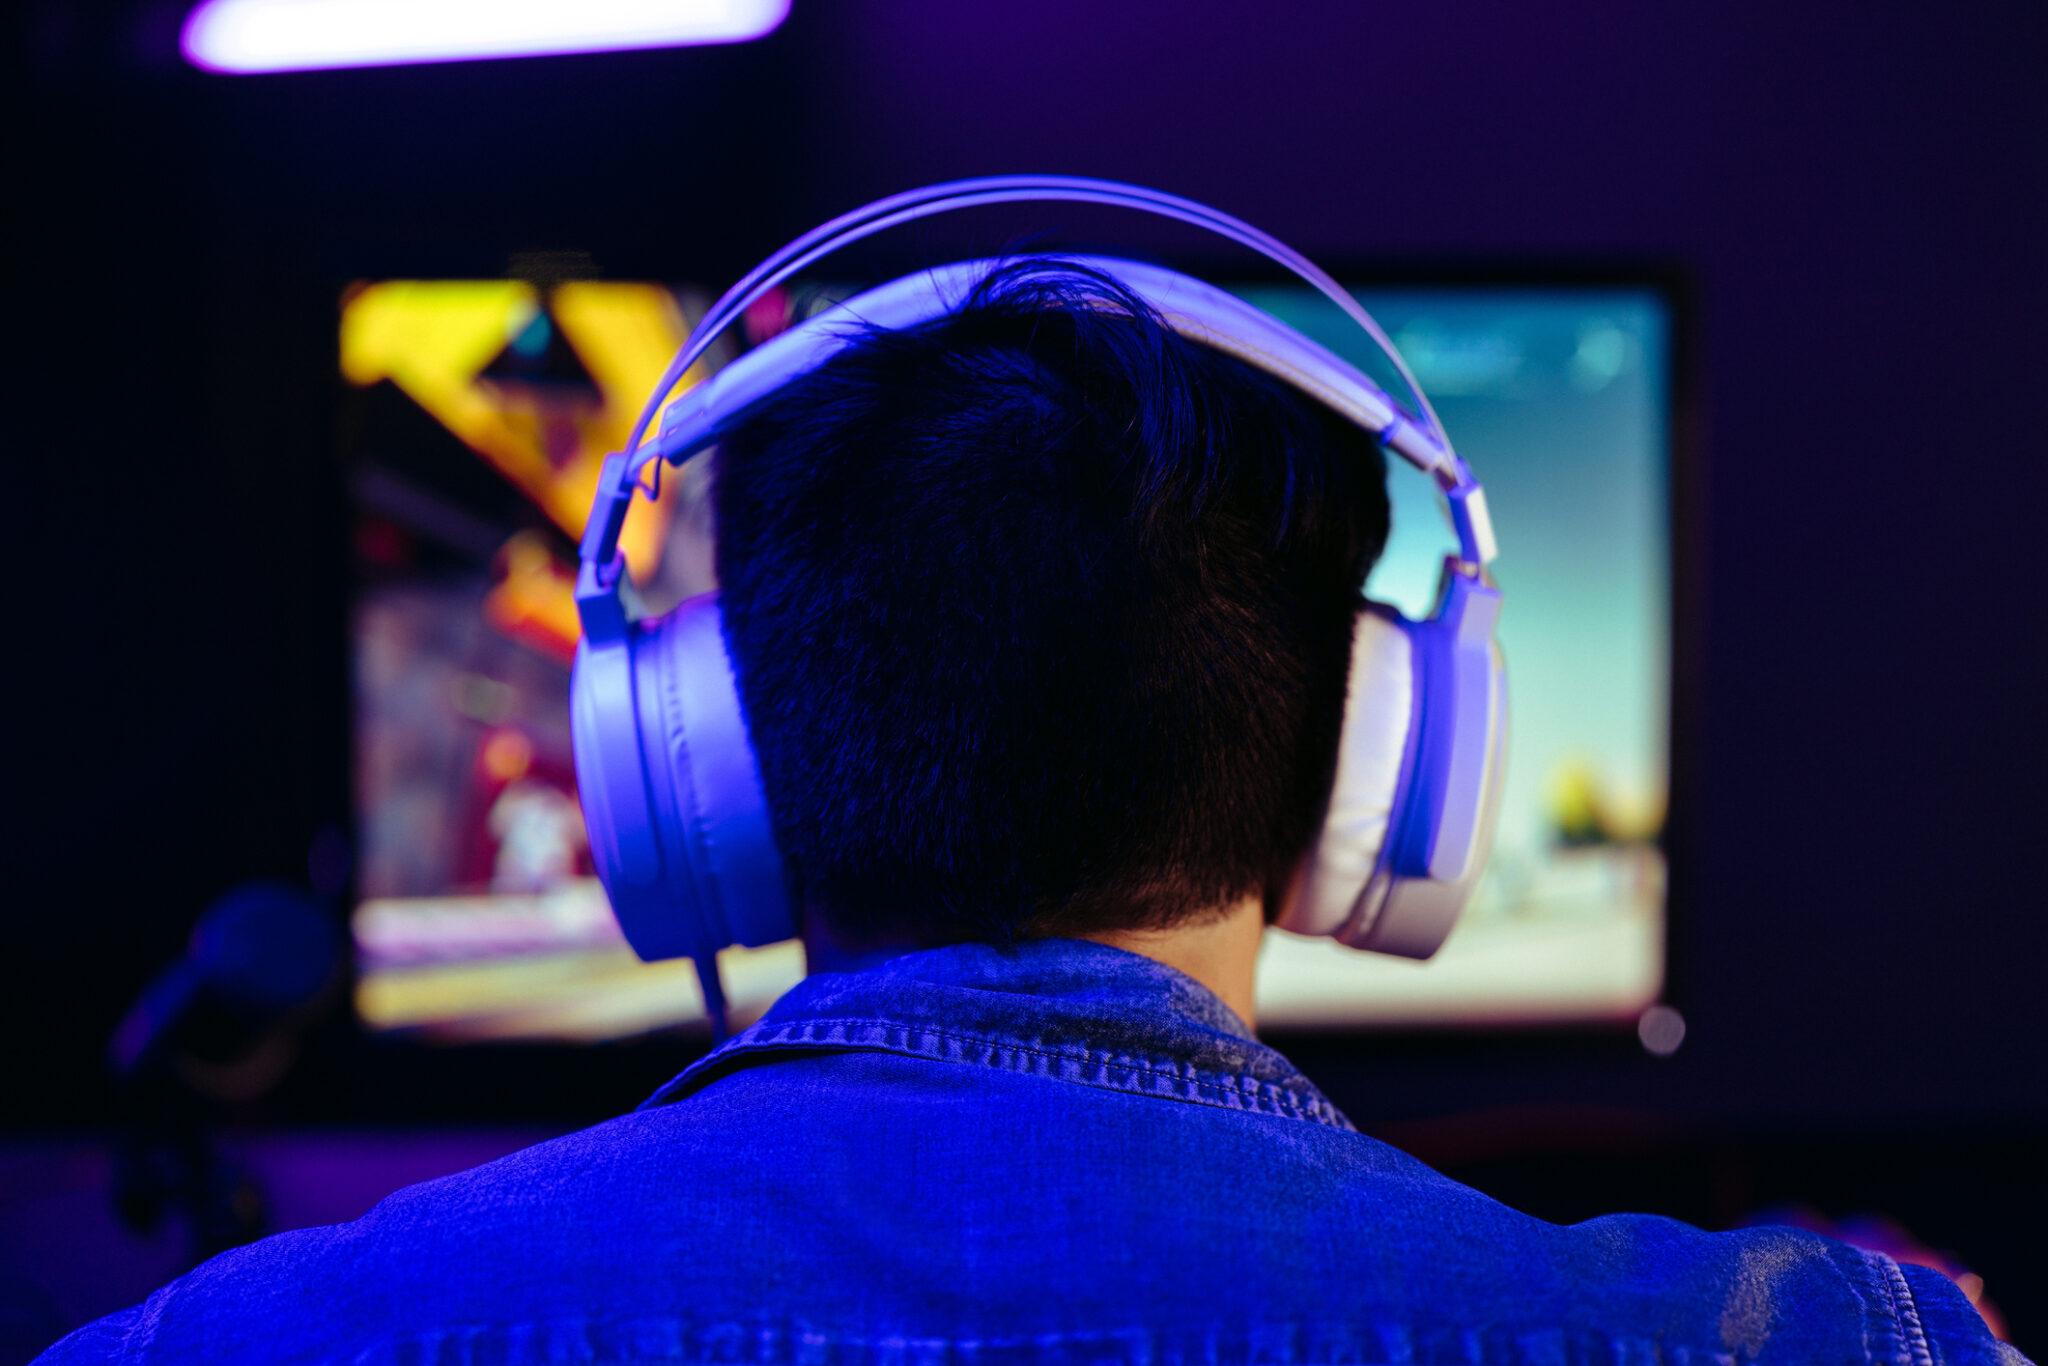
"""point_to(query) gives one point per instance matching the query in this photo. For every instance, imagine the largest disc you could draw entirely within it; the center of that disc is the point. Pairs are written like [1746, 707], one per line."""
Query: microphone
[260, 960]
[218, 1025]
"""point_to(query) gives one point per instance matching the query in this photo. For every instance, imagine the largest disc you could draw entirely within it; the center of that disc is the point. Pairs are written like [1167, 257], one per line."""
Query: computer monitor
[478, 411]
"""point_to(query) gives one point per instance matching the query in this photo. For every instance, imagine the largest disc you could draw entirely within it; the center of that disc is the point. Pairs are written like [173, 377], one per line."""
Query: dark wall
[1849, 191]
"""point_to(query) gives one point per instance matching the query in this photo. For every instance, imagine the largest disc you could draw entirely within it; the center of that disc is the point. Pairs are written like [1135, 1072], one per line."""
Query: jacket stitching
[1905, 1310]
[1256, 1094]
[707, 1341]
[1246, 1088]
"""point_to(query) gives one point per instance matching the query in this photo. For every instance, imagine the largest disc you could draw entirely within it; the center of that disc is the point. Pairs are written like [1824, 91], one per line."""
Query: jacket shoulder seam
[1905, 1310]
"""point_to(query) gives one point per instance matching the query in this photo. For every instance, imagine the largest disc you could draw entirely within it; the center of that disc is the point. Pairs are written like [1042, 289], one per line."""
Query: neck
[1222, 953]
[826, 950]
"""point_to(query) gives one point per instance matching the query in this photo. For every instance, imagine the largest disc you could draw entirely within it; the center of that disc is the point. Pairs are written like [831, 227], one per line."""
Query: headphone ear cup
[679, 824]
[1419, 777]
[1444, 826]
[1347, 864]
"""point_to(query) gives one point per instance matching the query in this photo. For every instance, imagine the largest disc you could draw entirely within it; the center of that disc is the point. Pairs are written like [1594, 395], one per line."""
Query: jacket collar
[1063, 1008]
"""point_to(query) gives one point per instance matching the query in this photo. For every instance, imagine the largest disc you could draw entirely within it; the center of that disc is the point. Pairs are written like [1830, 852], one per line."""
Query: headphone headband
[1429, 449]
[954, 195]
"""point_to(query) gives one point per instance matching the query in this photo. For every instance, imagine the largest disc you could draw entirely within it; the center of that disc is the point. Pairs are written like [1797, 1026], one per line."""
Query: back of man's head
[1042, 617]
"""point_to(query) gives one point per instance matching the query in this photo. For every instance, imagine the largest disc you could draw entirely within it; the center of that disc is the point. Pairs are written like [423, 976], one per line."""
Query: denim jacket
[1064, 1153]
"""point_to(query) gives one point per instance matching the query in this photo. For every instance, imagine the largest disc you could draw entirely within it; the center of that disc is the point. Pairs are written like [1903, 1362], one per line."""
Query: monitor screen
[477, 414]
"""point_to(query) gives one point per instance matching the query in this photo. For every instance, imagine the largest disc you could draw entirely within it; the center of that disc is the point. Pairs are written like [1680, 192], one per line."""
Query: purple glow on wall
[242, 37]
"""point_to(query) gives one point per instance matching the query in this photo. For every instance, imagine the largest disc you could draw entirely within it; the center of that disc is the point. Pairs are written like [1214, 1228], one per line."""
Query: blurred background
[1797, 248]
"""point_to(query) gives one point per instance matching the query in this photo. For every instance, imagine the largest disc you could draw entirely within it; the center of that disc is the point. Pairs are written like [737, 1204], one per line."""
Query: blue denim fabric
[1067, 1153]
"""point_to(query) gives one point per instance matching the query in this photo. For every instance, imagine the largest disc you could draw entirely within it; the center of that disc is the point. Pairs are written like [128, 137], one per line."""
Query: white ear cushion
[1379, 702]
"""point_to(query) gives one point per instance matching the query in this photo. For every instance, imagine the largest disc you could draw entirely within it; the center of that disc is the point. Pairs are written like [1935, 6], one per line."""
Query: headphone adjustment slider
[600, 600]
[1473, 523]
[615, 485]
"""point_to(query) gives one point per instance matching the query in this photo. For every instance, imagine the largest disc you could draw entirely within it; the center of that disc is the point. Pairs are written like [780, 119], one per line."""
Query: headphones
[678, 824]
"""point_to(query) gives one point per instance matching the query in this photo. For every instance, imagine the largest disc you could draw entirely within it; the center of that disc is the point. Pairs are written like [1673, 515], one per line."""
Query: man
[1041, 616]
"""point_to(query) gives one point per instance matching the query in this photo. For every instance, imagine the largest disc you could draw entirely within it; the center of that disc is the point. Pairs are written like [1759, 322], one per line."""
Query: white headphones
[679, 827]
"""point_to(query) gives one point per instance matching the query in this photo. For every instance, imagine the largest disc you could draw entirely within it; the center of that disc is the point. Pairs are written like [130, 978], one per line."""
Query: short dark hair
[1042, 616]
